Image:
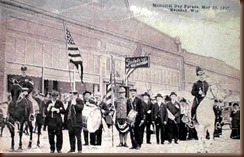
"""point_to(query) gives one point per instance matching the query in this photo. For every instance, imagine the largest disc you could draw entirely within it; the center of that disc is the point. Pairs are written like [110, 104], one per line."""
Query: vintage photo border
[145, 154]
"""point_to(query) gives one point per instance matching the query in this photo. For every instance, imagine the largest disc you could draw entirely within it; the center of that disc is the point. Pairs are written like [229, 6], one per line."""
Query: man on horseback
[199, 90]
[27, 87]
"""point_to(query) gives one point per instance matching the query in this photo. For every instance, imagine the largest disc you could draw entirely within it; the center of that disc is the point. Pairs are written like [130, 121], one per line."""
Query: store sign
[137, 62]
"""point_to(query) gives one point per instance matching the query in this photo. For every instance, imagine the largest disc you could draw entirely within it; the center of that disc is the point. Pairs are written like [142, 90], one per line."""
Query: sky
[211, 32]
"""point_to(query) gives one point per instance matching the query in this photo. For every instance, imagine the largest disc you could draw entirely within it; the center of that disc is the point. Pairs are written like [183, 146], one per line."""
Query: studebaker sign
[137, 62]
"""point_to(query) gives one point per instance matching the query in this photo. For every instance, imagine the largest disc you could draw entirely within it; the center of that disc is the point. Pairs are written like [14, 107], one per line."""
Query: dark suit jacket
[54, 119]
[147, 107]
[159, 111]
[174, 110]
[137, 103]
[75, 119]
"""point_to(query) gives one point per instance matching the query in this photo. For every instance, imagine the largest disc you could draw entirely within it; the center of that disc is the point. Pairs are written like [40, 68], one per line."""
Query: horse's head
[16, 90]
[216, 92]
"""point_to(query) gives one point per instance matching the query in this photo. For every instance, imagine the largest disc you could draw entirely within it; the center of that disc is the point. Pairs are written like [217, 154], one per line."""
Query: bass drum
[91, 118]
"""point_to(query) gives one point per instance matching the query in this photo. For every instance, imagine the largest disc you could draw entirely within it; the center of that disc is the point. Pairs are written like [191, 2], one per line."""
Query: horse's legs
[20, 136]
[31, 133]
[39, 127]
[12, 133]
[1, 133]
[201, 137]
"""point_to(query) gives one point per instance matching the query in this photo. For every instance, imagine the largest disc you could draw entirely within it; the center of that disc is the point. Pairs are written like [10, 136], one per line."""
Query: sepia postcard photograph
[120, 77]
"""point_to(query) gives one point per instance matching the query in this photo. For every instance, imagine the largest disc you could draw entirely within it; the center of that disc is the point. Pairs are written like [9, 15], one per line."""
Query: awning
[51, 73]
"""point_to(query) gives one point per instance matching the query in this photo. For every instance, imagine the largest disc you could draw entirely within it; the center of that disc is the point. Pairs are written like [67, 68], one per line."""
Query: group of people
[164, 115]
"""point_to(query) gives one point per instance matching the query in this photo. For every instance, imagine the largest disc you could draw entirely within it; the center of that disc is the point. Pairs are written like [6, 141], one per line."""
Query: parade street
[223, 144]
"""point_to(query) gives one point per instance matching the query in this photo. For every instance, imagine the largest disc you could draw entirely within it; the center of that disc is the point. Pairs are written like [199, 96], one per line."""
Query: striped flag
[111, 83]
[130, 70]
[74, 53]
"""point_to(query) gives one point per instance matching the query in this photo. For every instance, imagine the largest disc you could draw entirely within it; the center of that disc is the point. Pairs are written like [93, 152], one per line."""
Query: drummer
[121, 114]
[86, 98]
[135, 104]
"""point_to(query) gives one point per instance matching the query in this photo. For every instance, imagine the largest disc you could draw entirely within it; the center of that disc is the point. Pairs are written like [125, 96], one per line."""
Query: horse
[205, 116]
[19, 112]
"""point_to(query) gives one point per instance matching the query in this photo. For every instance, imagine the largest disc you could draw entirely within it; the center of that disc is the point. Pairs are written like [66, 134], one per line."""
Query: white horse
[205, 116]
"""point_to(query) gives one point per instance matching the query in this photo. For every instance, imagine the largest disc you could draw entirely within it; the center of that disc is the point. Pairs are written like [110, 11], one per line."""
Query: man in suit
[173, 109]
[147, 105]
[86, 97]
[159, 118]
[135, 103]
[74, 121]
[54, 122]
[199, 91]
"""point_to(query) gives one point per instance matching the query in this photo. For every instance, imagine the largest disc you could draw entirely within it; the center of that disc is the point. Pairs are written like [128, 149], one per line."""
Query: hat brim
[200, 72]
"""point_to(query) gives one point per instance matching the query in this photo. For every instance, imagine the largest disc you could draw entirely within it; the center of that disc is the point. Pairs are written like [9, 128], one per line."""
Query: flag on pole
[74, 53]
[130, 70]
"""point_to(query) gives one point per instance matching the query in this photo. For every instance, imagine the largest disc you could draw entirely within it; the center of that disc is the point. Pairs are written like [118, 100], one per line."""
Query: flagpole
[112, 96]
[67, 55]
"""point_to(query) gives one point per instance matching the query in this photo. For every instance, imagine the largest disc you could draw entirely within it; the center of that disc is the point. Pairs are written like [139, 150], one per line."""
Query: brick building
[34, 36]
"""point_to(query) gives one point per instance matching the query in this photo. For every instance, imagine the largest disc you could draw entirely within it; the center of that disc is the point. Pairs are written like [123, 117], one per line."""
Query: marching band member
[86, 97]
[96, 138]
[54, 122]
[173, 108]
[159, 118]
[135, 103]
[74, 121]
[121, 114]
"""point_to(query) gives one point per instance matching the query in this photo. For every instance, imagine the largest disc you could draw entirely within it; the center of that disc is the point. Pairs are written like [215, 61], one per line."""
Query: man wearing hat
[147, 105]
[135, 103]
[235, 121]
[121, 114]
[86, 97]
[160, 118]
[74, 121]
[27, 87]
[54, 122]
[184, 116]
[173, 109]
[199, 91]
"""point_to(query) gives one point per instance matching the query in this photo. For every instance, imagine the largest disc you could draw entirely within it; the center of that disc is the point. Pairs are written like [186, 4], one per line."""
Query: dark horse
[19, 112]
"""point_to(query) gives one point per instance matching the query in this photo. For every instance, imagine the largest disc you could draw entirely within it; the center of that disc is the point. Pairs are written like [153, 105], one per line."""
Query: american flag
[74, 53]
[130, 70]
[111, 83]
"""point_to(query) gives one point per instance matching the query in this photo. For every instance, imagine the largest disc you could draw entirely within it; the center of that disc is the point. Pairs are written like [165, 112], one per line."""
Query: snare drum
[91, 118]
[131, 117]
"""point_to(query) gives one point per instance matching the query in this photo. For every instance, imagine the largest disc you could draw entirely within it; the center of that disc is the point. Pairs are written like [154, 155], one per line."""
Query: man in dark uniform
[54, 122]
[135, 103]
[74, 121]
[160, 118]
[199, 91]
[147, 105]
[173, 108]
[86, 96]
[27, 86]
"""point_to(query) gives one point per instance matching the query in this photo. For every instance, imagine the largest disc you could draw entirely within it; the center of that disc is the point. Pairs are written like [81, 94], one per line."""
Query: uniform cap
[199, 71]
